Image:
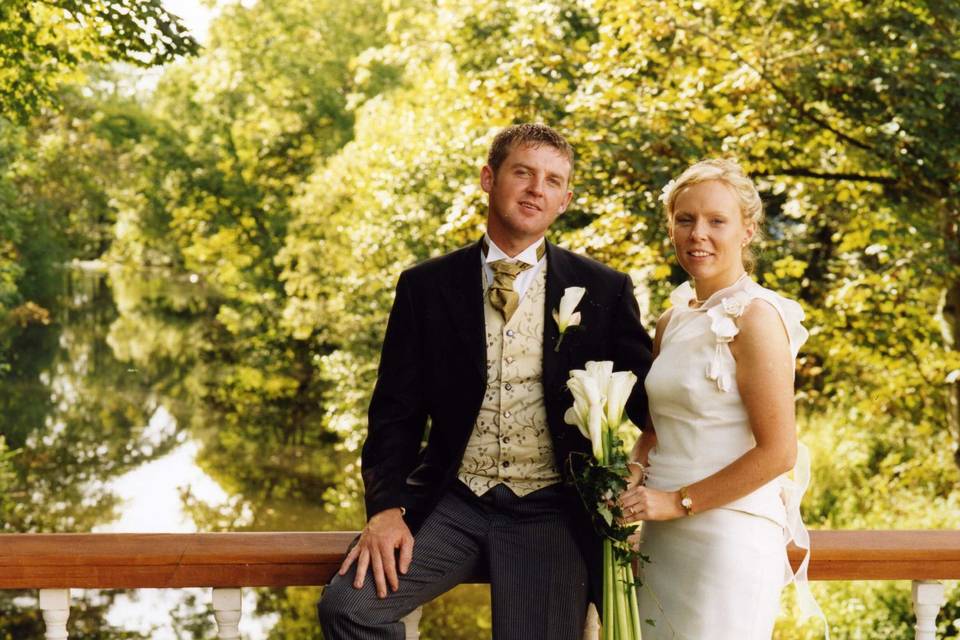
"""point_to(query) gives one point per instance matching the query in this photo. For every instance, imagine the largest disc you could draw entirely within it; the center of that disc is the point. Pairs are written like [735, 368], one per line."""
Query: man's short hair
[529, 133]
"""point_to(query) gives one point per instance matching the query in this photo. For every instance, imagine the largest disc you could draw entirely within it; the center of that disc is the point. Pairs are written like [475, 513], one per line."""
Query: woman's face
[709, 232]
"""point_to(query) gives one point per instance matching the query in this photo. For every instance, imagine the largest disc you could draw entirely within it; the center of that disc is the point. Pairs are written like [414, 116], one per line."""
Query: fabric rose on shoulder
[723, 323]
[723, 316]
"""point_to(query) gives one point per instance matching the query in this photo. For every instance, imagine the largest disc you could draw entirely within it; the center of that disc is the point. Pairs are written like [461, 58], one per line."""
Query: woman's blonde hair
[730, 173]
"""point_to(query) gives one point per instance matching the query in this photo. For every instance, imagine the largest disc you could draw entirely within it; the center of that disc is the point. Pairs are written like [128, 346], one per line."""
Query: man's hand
[384, 534]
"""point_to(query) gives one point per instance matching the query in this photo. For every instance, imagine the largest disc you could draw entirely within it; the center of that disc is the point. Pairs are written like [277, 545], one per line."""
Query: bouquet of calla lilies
[599, 397]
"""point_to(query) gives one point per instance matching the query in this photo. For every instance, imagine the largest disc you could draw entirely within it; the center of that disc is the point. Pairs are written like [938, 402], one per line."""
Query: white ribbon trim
[793, 490]
[722, 324]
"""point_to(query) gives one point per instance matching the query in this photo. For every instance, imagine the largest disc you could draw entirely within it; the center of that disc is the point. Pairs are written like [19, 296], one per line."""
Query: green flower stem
[608, 592]
[618, 603]
[634, 606]
[624, 618]
[605, 439]
[621, 619]
[618, 618]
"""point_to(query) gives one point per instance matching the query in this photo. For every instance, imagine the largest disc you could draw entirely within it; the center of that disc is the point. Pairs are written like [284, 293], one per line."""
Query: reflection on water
[150, 494]
[150, 501]
[117, 416]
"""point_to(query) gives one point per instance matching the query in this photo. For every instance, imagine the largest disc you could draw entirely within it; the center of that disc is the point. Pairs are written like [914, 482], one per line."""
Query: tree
[45, 43]
[273, 190]
[230, 138]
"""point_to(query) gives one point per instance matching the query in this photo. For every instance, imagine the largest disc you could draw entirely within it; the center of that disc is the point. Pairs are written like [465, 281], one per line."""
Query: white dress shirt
[528, 256]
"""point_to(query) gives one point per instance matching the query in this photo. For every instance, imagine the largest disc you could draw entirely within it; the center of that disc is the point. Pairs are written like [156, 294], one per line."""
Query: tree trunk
[951, 321]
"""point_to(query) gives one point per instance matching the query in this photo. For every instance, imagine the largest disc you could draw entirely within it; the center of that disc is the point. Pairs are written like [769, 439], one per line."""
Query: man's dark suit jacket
[432, 374]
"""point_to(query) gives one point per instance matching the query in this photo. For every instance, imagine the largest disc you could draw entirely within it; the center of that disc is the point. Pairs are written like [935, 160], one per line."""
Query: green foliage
[460, 613]
[229, 138]
[260, 205]
[295, 609]
[7, 479]
[44, 43]
[595, 483]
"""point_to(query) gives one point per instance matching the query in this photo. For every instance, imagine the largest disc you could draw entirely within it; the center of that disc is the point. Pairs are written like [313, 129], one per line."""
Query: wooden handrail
[134, 560]
[882, 555]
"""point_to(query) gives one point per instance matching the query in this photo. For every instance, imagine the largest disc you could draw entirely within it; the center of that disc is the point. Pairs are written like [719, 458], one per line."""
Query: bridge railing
[227, 562]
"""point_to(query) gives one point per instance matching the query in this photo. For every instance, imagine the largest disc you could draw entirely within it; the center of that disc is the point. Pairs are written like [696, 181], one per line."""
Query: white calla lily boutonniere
[567, 315]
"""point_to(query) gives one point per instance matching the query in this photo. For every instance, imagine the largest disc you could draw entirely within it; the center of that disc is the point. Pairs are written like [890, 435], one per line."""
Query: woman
[717, 507]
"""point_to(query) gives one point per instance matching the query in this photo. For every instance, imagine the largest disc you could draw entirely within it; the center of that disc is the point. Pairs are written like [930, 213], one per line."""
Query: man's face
[528, 192]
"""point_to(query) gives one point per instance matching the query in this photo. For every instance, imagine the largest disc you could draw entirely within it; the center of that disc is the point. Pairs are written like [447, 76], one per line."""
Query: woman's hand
[638, 474]
[644, 503]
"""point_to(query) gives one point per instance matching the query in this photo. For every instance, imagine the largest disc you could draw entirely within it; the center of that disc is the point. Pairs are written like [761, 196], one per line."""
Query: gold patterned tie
[503, 297]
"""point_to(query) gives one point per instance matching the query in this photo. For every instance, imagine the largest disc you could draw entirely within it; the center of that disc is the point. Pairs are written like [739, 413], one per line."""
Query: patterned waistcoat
[510, 442]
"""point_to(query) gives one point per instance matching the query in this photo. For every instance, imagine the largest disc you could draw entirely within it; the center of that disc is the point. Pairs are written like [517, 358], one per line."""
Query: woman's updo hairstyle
[728, 172]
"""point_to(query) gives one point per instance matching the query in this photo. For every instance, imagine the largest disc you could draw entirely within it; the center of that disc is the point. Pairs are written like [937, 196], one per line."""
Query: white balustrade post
[227, 609]
[55, 605]
[927, 600]
[412, 623]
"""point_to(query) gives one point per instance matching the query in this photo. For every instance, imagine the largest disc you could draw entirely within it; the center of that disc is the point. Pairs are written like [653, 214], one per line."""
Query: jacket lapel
[464, 296]
[559, 277]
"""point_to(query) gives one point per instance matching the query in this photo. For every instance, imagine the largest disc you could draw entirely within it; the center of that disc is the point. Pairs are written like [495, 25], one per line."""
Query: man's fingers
[349, 559]
[362, 563]
[406, 553]
[377, 564]
[387, 553]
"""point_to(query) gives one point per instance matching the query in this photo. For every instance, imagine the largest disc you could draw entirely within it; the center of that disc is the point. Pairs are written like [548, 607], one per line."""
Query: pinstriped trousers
[538, 578]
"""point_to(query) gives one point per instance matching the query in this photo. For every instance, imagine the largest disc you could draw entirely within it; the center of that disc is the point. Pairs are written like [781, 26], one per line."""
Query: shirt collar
[527, 256]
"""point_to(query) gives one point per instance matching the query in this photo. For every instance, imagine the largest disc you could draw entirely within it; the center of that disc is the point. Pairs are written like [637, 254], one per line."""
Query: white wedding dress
[716, 575]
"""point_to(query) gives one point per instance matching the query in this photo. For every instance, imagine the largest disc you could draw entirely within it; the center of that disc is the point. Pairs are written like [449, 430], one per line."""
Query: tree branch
[792, 100]
[826, 175]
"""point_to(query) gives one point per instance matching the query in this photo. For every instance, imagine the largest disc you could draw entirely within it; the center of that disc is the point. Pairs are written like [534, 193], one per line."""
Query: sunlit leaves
[282, 181]
[46, 44]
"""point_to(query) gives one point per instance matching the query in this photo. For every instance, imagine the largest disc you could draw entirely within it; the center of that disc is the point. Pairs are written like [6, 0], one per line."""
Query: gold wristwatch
[686, 501]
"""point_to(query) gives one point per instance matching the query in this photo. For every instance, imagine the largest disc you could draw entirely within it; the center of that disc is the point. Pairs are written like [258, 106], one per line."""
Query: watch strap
[686, 501]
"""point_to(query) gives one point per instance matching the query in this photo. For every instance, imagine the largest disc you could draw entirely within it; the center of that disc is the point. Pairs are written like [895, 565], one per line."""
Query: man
[471, 359]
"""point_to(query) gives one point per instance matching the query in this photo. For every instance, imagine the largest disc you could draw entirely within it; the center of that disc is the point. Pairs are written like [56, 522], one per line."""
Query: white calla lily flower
[618, 390]
[587, 412]
[601, 372]
[599, 398]
[596, 429]
[579, 414]
[567, 316]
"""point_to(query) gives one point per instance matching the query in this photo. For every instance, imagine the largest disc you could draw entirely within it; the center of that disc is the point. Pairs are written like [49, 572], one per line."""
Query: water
[109, 438]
